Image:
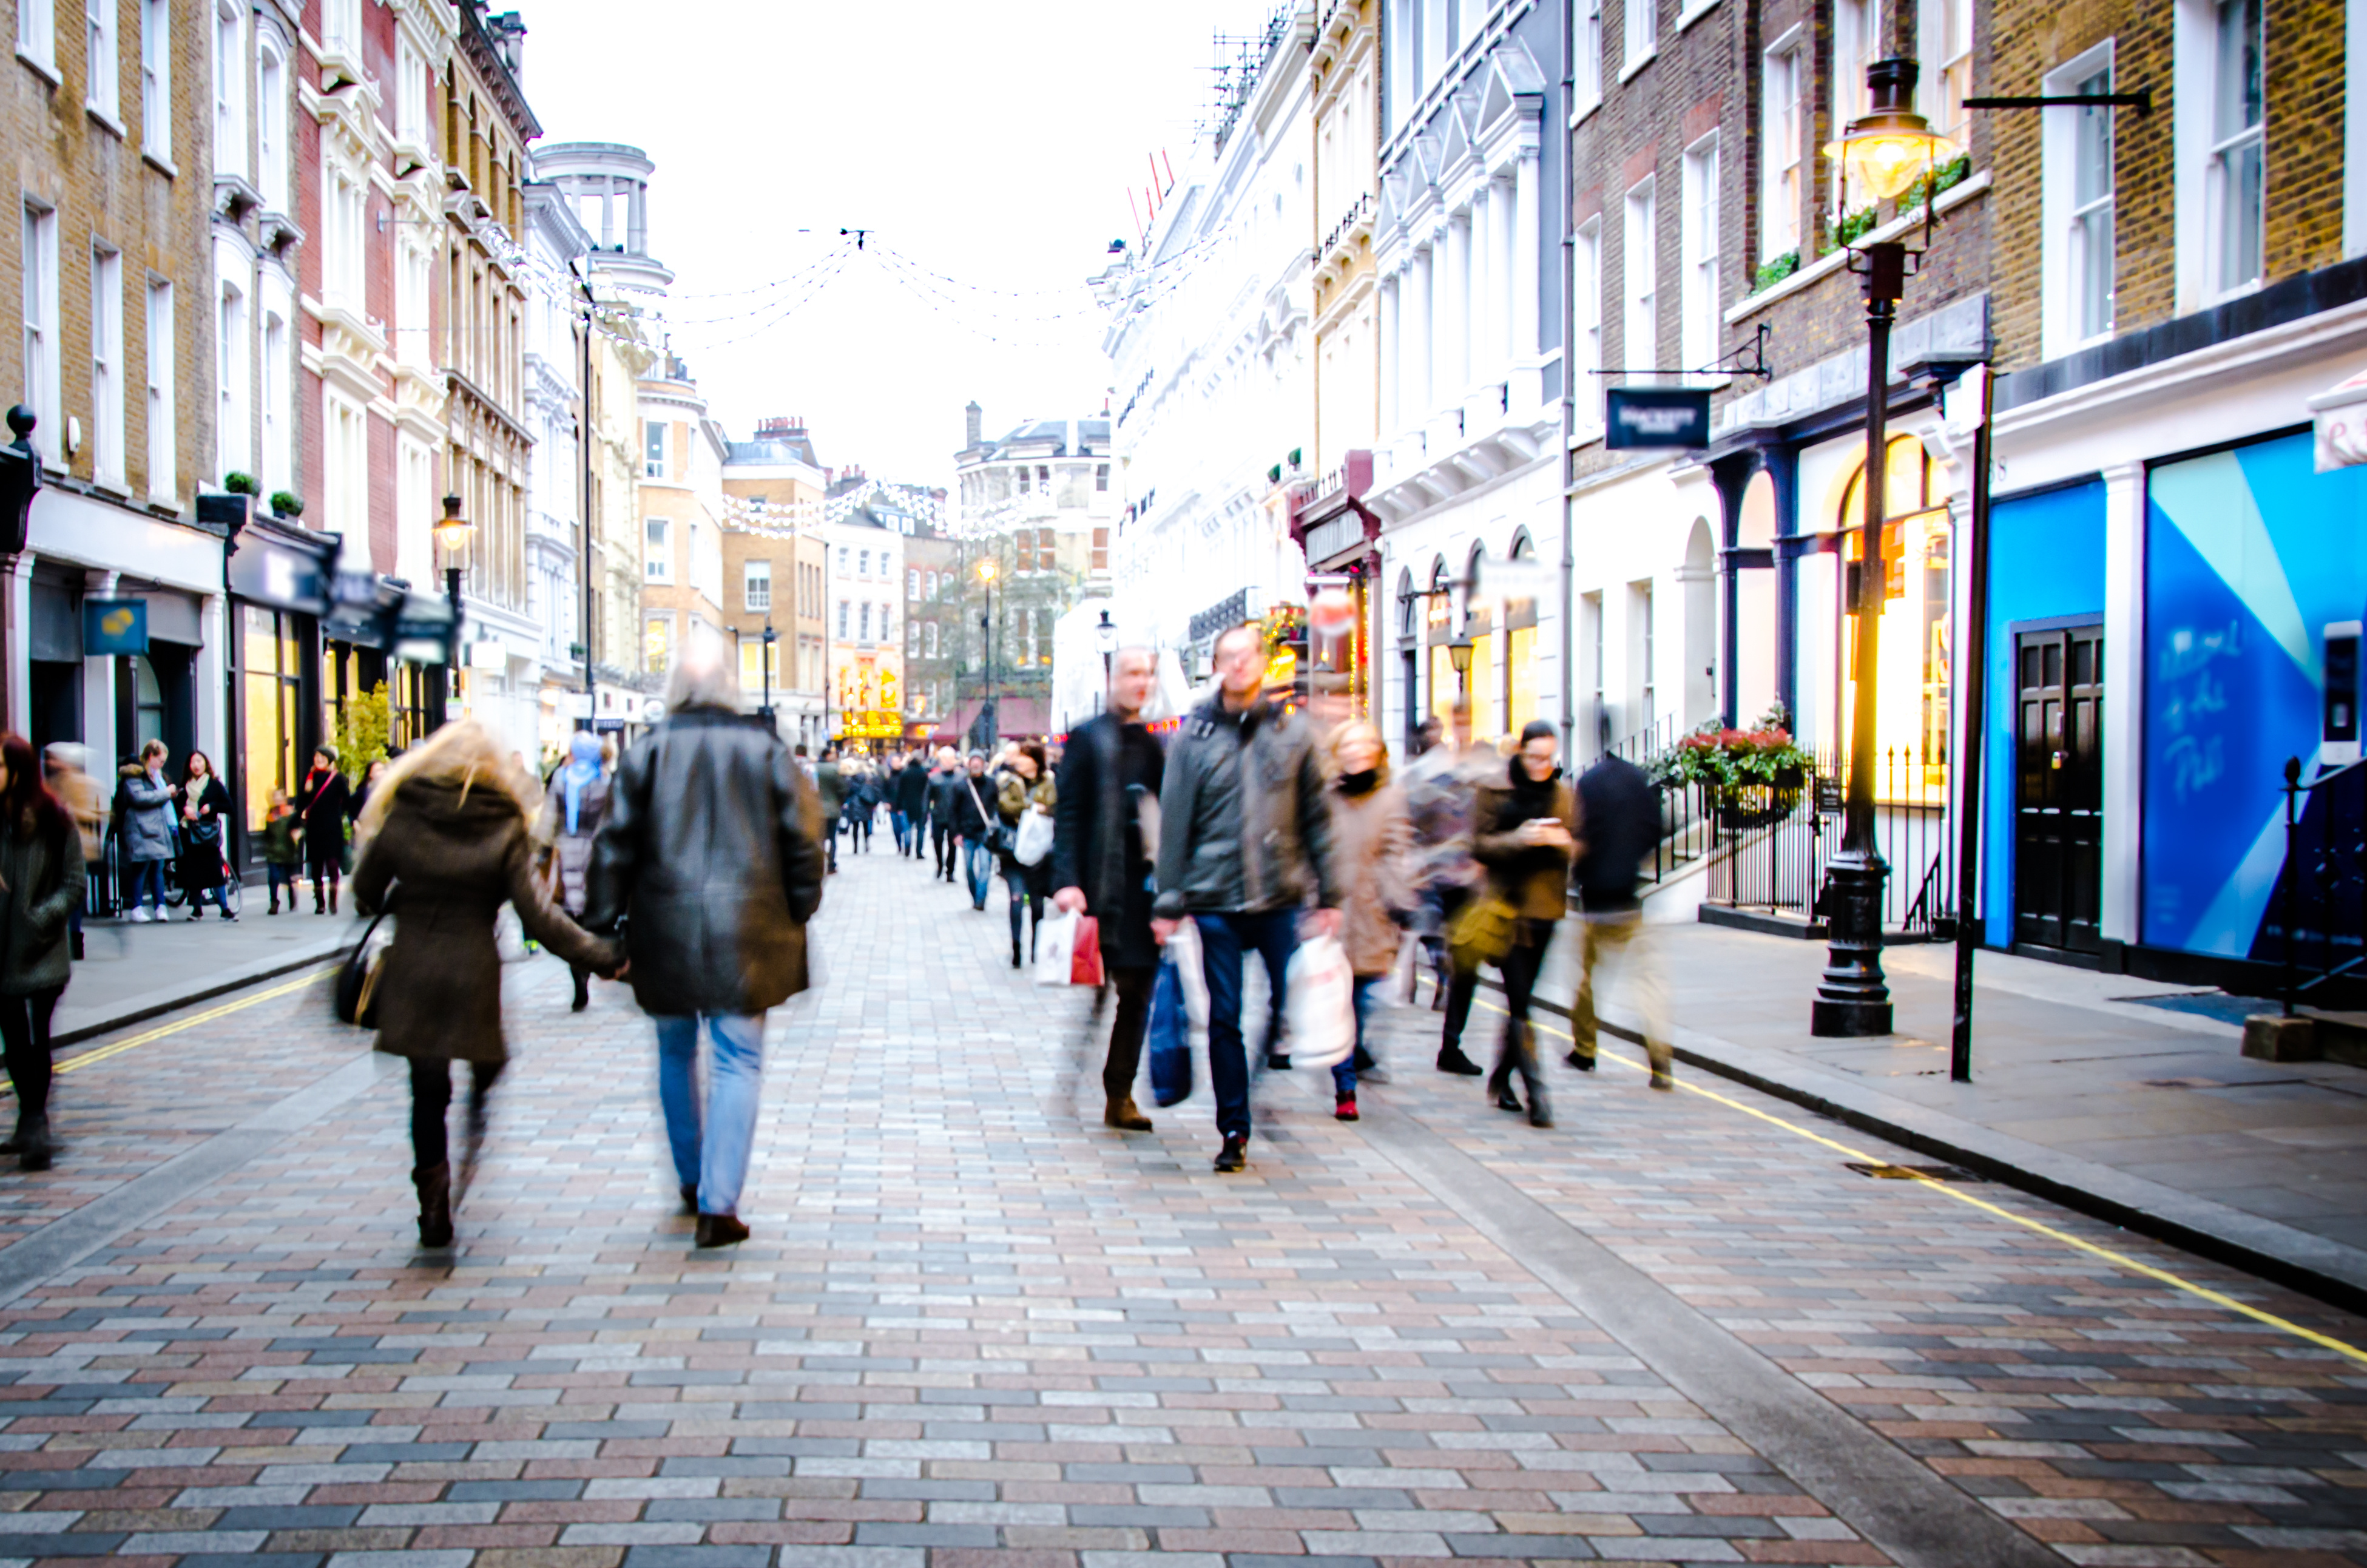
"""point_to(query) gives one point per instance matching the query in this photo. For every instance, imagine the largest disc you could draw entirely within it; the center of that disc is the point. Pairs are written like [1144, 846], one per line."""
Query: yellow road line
[2121, 1260]
[150, 1036]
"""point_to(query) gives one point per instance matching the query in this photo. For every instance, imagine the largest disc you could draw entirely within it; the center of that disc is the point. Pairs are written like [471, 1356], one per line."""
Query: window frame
[157, 80]
[103, 63]
[1640, 308]
[2065, 259]
[752, 573]
[1779, 129]
[40, 322]
[1698, 241]
[1640, 33]
[107, 462]
[657, 551]
[164, 482]
[37, 36]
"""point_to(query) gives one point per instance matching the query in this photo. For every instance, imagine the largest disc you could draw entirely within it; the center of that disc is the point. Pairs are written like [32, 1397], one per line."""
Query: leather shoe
[1539, 1116]
[1452, 1060]
[720, 1230]
[1507, 1100]
[1234, 1154]
[690, 1197]
[1582, 1060]
[1124, 1115]
[1277, 1062]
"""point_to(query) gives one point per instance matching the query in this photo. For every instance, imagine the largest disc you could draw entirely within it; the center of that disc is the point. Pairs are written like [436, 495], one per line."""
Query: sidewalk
[131, 972]
[2137, 1112]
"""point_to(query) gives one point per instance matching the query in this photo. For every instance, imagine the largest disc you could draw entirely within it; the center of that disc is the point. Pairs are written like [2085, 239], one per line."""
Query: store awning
[2340, 414]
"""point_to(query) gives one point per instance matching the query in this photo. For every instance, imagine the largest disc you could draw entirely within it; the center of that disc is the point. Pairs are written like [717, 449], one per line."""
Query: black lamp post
[1882, 153]
[991, 710]
[771, 637]
[1105, 634]
[452, 532]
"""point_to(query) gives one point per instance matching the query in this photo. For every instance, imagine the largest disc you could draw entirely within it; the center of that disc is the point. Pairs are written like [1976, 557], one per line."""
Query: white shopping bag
[1035, 837]
[1322, 1006]
[1184, 948]
[1056, 948]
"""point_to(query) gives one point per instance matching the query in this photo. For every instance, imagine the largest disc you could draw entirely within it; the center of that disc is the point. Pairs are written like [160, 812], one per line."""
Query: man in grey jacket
[1245, 836]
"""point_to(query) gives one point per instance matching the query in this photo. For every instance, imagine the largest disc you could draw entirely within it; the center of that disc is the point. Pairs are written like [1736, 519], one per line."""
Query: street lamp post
[771, 637]
[1882, 153]
[1458, 654]
[990, 708]
[452, 533]
[1106, 635]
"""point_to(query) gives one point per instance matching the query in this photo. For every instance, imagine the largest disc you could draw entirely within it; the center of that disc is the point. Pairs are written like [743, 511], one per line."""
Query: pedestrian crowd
[690, 866]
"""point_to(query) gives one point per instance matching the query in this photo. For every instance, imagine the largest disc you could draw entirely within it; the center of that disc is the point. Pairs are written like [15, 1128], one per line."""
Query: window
[414, 274]
[40, 269]
[1101, 550]
[653, 464]
[2238, 174]
[345, 472]
[930, 581]
[1643, 34]
[156, 79]
[233, 348]
[341, 26]
[1779, 137]
[36, 34]
[278, 466]
[2078, 208]
[341, 237]
[756, 583]
[913, 639]
[1023, 480]
[1101, 479]
[1701, 330]
[863, 634]
[841, 561]
[657, 645]
[103, 90]
[107, 366]
[1587, 288]
[1586, 87]
[1044, 479]
[911, 583]
[931, 640]
[271, 128]
[863, 563]
[842, 620]
[1947, 29]
[657, 555]
[230, 87]
[1640, 349]
[163, 483]
[411, 80]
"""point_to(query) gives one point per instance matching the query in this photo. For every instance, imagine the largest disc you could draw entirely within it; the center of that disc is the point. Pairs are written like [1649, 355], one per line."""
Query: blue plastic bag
[1169, 1038]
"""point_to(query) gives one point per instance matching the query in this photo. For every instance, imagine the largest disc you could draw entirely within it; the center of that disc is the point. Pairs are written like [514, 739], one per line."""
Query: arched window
[1409, 607]
[1486, 682]
[1520, 635]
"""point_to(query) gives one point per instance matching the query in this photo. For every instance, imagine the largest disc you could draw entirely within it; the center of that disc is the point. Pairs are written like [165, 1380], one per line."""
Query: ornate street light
[452, 534]
[1105, 634]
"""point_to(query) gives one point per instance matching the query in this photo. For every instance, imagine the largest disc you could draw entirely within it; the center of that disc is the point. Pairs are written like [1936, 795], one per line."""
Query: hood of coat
[129, 770]
[460, 805]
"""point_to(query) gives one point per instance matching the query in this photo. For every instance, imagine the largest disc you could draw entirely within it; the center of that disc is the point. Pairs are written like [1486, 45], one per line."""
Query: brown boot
[1121, 1114]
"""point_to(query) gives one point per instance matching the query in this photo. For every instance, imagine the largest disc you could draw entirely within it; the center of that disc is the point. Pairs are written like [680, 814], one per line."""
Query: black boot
[434, 1184]
[34, 1149]
[1014, 952]
[1452, 1060]
[583, 990]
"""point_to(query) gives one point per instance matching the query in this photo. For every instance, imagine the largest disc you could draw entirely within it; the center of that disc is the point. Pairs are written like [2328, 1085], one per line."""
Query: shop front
[1341, 536]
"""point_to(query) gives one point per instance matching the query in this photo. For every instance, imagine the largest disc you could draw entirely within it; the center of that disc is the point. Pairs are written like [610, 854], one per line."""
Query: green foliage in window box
[1772, 272]
[1856, 224]
[240, 483]
[287, 504]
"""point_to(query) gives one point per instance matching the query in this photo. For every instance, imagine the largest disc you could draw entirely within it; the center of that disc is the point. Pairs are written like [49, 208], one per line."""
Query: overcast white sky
[994, 144]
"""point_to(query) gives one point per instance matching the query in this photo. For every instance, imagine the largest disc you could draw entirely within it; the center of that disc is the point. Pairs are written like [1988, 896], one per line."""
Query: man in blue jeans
[1245, 837]
[971, 790]
[711, 859]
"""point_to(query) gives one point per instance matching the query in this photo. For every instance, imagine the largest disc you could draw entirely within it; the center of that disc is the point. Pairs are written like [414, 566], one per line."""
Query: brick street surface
[975, 1328]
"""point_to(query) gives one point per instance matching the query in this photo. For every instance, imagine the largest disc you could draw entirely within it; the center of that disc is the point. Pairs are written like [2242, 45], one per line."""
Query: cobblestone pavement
[975, 1328]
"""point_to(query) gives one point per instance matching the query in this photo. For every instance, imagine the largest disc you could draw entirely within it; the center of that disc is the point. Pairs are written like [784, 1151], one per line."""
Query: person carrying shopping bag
[1026, 785]
[1524, 831]
[204, 807]
[1369, 841]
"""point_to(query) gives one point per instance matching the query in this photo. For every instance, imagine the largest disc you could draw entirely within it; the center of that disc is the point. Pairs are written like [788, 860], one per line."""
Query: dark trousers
[1455, 984]
[903, 827]
[431, 1101]
[942, 834]
[833, 837]
[1134, 988]
[24, 1032]
[276, 877]
[1517, 1052]
[1272, 935]
[1023, 895]
[318, 868]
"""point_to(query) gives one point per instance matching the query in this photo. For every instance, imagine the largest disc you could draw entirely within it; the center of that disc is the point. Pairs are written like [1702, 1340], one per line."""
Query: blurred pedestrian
[1524, 831]
[1369, 839]
[445, 840]
[1109, 774]
[66, 770]
[41, 886]
[711, 857]
[204, 807]
[572, 810]
[862, 804]
[145, 839]
[944, 784]
[371, 773]
[1245, 837]
[1025, 786]
[830, 786]
[321, 800]
[283, 850]
[1622, 813]
[910, 804]
[972, 818]
[1441, 789]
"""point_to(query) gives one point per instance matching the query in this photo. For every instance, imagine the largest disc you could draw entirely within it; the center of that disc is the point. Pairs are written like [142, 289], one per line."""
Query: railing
[1770, 846]
[1684, 834]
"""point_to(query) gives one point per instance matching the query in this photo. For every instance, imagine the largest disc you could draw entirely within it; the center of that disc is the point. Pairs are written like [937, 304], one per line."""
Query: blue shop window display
[2256, 584]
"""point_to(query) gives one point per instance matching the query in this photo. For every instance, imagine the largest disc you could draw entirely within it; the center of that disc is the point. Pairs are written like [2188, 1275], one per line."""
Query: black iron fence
[1768, 845]
[1685, 833]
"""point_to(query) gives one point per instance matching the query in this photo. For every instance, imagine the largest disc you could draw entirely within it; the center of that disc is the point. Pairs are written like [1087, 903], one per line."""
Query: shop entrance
[2058, 821]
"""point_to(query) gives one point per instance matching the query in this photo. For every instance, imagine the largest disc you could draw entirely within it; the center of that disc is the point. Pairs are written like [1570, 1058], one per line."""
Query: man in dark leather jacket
[711, 859]
[945, 783]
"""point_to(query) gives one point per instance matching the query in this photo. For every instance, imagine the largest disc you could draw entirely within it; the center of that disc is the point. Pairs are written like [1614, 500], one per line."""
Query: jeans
[24, 1032]
[431, 1101]
[1126, 1030]
[1343, 1074]
[711, 1151]
[981, 871]
[832, 837]
[147, 882]
[902, 827]
[1272, 935]
[1517, 1052]
[1620, 931]
[276, 877]
[1023, 894]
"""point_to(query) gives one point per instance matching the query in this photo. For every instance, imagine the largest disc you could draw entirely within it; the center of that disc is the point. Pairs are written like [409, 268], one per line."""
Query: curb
[2283, 1255]
[139, 1009]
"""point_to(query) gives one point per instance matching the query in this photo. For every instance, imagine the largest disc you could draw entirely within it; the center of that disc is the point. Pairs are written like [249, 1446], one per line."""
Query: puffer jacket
[43, 871]
[711, 859]
[147, 816]
[454, 851]
[572, 852]
[1533, 878]
[1243, 823]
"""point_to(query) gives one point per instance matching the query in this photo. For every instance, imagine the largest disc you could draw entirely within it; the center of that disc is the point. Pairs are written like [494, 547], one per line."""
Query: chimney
[973, 416]
[509, 37]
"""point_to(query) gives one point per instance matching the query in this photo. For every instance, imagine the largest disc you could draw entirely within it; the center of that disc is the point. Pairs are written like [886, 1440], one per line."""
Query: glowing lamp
[1890, 146]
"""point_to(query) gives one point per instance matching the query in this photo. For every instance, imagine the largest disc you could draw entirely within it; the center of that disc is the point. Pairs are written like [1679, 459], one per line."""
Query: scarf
[1532, 797]
[1356, 785]
[583, 770]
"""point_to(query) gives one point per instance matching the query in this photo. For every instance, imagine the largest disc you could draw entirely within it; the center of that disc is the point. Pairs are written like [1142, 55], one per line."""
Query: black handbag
[998, 836]
[355, 996]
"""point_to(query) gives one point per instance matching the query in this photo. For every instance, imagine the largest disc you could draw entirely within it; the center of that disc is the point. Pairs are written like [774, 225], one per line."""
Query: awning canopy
[2340, 414]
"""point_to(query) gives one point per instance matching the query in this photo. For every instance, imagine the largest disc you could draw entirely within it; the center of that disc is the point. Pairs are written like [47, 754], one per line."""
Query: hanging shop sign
[1657, 416]
[284, 568]
[114, 626]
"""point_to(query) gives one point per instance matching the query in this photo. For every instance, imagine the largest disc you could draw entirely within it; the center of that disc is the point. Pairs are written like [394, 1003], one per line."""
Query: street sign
[114, 626]
[1657, 416]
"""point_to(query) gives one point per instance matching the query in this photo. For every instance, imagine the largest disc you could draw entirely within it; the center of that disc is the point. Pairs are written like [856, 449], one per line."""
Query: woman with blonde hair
[444, 846]
[1370, 835]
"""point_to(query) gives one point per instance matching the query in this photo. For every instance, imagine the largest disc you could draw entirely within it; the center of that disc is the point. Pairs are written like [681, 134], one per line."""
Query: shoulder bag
[998, 837]
[355, 996]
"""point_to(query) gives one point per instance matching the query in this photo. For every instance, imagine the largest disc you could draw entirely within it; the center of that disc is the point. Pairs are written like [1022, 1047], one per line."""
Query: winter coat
[147, 816]
[79, 792]
[1622, 810]
[1441, 789]
[279, 845]
[969, 817]
[321, 800]
[830, 786]
[1244, 824]
[201, 840]
[1369, 838]
[453, 851]
[944, 784]
[1533, 878]
[43, 871]
[711, 859]
[912, 790]
[1108, 770]
[572, 852]
[1014, 797]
